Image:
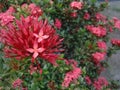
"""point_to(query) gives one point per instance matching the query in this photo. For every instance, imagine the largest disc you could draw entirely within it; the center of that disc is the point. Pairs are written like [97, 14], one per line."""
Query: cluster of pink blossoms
[115, 42]
[34, 69]
[73, 75]
[100, 16]
[35, 11]
[57, 23]
[88, 80]
[102, 45]
[98, 57]
[97, 30]
[76, 5]
[100, 83]
[116, 22]
[17, 83]
[74, 14]
[87, 16]
[31, 37]
[6, 17]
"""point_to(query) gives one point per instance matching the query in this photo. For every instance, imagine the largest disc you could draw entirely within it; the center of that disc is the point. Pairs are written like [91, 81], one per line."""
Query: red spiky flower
[31, 38]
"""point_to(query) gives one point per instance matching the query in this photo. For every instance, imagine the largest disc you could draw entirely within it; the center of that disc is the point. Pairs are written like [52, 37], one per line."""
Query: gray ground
[113, 72]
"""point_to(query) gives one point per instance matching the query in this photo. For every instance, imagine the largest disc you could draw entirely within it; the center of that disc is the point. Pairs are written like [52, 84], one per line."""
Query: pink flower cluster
[58, 23]
[33, 69]
[115, 42]
[71, 76]
[24, 88]
[98, 31]
[32, 9]
[86, 16]
[100, 83]
[98, 57]
[102, 45]
[17, 83]
[76, 5]
[71, 62]
[36, 68]
[100, 16]
[6, 17]
[116, 22]
[31, 38]
[74, 14]
[88, 80]
[35, 10]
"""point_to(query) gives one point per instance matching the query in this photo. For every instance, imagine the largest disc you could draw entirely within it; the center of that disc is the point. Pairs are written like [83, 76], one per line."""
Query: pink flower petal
[35, 54]
[35, 35]
[40, 39]
[45, 36]
[41, 33]
[30, 50]
[41, 50]
[35, 46]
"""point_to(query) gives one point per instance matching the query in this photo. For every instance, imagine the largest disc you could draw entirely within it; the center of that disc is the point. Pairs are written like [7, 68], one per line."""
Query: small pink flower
[24, 88]
[40, 36]
[17, 83]
[10, 11]
[115, 42]
[35, 68]
[35, 10]
[32, 69]
[110, 29]
[73, 14]
[87, 16]
[100, 16]
[97, 57]
[32, 5]
[102, 45]
[98, 31]
[24, 6]
[116, 23]
[35, 50]
[71, 76]
[58, 23]
[76, 5]
[88, 80]
[6, 18]
[71, 62]
[100, 83]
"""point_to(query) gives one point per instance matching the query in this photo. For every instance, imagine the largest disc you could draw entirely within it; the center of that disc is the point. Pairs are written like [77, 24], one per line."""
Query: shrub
[55, 45]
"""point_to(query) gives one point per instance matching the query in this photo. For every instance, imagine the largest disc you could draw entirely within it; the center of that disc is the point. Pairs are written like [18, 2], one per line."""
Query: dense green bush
[55, 45]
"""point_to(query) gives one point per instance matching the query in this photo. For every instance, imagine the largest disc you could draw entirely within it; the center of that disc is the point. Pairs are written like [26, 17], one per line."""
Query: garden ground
[113, 72]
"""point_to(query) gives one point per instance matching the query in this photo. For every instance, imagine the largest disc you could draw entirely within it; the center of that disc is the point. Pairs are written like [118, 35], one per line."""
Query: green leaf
[93, 1]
